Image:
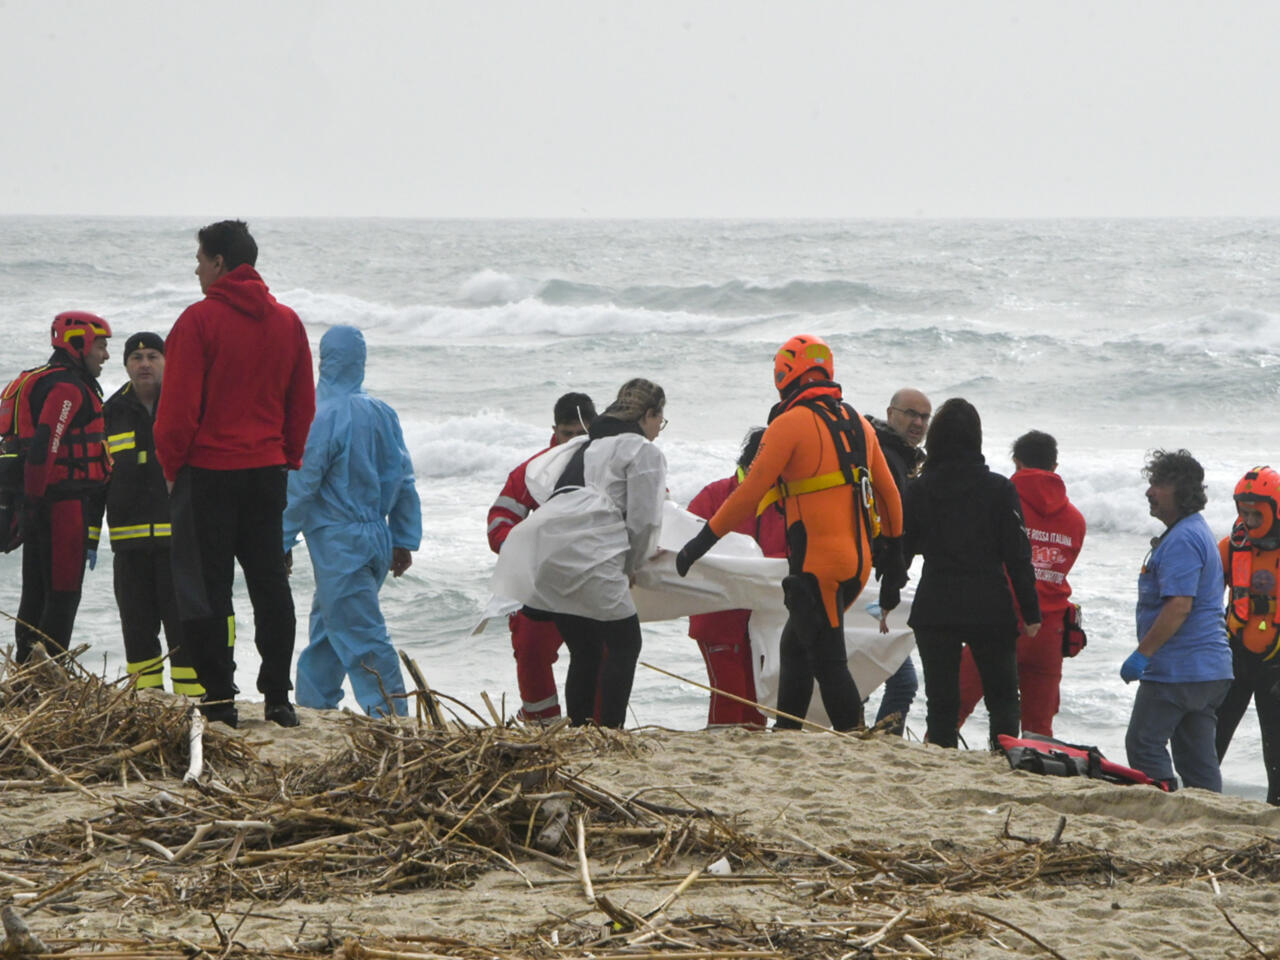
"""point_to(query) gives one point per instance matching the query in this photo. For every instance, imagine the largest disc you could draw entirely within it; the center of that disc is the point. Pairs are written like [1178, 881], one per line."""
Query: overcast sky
[742, 108]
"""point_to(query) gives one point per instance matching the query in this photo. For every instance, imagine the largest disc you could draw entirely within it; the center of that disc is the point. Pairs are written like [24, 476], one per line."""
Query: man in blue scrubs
[1183, 660]
[355, 502]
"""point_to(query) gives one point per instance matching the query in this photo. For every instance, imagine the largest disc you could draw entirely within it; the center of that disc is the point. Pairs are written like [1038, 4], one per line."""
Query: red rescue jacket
[1252, 576]
[1056, 530]
[514, 503]
[55, 413]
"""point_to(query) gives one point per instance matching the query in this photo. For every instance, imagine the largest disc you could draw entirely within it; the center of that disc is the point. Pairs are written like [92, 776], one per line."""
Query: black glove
[694, 549]
[877, 554]
[892, 568]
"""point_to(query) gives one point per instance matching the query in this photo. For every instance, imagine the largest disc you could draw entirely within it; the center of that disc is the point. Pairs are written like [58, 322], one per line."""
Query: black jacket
[901, 456]
[967, 524]
[137, 500]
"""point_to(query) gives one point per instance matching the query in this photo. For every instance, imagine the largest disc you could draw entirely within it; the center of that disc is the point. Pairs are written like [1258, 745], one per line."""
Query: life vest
[1050, 757]
[82, 459]
[846, 429]
[1252, 576]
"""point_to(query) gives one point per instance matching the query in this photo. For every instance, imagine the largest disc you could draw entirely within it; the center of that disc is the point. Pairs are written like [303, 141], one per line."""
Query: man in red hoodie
[535, 639]
[1056, 530]
[238, 400]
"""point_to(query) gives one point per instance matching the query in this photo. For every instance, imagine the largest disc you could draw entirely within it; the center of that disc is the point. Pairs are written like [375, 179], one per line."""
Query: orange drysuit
[821, 525]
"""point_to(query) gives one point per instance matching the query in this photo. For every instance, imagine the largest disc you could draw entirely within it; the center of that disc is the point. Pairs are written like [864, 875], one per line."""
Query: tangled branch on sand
[404, 805]
[60, 723]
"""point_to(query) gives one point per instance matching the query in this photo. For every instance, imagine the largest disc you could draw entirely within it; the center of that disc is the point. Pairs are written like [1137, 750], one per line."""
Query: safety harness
[845, 427]
[1252, 615]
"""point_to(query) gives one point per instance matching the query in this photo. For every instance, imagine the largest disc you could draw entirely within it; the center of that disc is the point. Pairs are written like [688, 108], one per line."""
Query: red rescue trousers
[726, 648]
[536, 644]
[1039, 676]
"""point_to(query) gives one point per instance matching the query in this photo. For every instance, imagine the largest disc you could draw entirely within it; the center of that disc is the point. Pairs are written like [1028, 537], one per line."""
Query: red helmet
[1261, 485]
[797, 357]
[75, 331]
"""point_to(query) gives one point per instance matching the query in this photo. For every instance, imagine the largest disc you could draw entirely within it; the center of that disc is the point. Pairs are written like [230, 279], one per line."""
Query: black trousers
[143, 580]
[1259, 682]
[219, 517]
[53, 558]
[995, 651]
[617, 644]
[811, 649]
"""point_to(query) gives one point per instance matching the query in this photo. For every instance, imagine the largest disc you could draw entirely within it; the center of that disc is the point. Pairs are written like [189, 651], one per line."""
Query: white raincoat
[578, 551]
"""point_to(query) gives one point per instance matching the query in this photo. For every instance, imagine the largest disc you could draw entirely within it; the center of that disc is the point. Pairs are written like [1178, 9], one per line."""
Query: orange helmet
[1261, 485]
[75, 331]
[797, 357]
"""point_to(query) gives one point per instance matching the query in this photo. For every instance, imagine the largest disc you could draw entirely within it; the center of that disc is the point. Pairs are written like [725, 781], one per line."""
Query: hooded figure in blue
[354, 500]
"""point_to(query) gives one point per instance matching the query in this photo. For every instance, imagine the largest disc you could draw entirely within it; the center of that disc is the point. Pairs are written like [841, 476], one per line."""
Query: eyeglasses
[665, 421]
[913, 414]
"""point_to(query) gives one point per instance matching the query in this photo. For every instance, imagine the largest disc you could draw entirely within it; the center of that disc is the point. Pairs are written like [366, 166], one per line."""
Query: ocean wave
[487, 445]
[737, 296]
[490, 287]
[520, 318]
[1234, 330]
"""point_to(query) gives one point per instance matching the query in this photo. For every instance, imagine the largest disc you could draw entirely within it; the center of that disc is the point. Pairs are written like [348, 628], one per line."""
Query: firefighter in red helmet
[55, 465]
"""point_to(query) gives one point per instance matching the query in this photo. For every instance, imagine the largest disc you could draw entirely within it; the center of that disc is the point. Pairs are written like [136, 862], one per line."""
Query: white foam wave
[490, 287]
[486, 445]
[1234, 330]
[517, 319]
[1112, 496]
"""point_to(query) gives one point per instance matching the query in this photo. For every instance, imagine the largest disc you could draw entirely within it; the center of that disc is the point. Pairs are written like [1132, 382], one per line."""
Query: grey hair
[636, 398]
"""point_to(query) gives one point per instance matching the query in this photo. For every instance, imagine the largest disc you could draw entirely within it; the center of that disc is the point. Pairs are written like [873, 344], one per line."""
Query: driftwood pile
[62, 726]
[428, 804]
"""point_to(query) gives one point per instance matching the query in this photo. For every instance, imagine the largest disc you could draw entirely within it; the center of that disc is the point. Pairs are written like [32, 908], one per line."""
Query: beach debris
[18, 938]
[406, 805]
[195, 745]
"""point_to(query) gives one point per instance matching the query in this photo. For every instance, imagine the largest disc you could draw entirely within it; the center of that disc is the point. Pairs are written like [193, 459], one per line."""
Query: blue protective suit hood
[354, 498]
[342, 356]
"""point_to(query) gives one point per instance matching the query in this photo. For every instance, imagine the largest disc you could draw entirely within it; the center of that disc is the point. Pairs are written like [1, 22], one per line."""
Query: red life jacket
[1252, 576]
[82, 459]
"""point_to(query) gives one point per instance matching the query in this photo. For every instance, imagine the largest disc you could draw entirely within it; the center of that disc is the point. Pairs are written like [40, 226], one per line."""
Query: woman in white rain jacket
[573, 559]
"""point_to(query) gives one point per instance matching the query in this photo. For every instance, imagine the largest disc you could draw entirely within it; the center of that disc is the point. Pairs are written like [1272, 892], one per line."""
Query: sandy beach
[834, 846]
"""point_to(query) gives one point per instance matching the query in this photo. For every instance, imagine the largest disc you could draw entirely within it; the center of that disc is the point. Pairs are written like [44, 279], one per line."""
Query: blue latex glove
[1134, 667]
[91, 557]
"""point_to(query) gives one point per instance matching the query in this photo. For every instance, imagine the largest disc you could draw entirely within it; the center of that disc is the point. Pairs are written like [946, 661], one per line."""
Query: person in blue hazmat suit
[355, 502]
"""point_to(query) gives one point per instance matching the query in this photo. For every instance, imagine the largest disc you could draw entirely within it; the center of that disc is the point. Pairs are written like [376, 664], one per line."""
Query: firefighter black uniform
[138, 521]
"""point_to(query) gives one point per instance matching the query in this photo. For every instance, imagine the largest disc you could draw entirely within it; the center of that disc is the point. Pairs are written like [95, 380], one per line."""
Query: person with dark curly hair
[1183, 660]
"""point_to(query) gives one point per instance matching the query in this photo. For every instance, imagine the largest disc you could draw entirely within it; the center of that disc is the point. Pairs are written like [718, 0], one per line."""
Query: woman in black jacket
[967, 524]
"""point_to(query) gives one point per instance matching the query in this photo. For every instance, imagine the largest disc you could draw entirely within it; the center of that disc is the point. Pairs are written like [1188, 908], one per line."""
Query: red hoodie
[238, 387]
[1056, 531]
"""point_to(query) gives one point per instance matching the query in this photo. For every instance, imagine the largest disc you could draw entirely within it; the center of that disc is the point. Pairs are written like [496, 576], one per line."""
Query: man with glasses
[900, 435]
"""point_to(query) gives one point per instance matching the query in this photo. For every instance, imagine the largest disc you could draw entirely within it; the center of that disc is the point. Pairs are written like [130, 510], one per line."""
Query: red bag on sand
[1073, 638]
[1045, 755]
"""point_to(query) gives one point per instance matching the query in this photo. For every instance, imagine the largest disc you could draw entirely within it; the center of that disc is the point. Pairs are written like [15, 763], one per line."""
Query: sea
[1117, 336]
